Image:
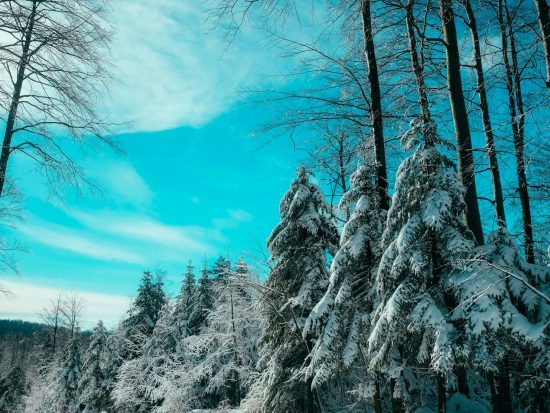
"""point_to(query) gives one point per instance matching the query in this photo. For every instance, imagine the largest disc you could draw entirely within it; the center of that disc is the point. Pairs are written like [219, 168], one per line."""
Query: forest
[410, 267]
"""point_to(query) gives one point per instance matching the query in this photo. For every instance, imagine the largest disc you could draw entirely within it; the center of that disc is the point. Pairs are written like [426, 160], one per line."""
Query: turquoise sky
[193, 182]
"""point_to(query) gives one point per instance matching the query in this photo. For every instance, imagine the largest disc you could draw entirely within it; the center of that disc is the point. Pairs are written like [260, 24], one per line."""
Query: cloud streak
[172, 72]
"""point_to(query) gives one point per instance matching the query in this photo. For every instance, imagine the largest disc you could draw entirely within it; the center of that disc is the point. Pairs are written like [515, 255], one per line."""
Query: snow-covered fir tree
[93, 387]
[425, 239]
[141, 380]
[65, 387]
[203, 301]
[298, 279]
[504, 312]
[12, 389]
[184, 305]
[143, 313]
[221, 268]
[222, 359]
[343, 314]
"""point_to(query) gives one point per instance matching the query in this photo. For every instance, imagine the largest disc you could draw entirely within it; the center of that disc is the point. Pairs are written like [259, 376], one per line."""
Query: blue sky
[193, 182]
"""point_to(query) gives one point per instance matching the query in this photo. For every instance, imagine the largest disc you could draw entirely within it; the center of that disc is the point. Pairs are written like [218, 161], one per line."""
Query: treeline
[197, 350]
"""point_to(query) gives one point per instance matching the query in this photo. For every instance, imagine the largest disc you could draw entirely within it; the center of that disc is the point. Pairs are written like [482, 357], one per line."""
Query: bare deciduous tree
[53, 56]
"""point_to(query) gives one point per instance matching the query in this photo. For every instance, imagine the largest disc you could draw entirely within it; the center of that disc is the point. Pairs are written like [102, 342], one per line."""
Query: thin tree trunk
[501, 397]
[417, 67]
[460, 119]
[376, 105]
[377, 399]
[517, 118]
[14, 105]
[486, 116]
[543, 16]
[441, 394]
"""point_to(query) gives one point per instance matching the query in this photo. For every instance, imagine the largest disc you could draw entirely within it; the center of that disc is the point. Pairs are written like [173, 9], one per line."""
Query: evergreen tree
[343, 314]
[12, 389]
[203, 301]
[222, 359]
[69, 375]
[93, 387]
[504, 311]
[298, 279]
[143, 313]
[221, 268]
[424, 240]
[141, 381]
[185, 303]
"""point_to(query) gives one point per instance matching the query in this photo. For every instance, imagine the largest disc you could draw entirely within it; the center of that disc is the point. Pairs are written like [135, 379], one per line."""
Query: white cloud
[78, 242]
[172, 72]
[122, 182]
[28, 300]
[193, 239]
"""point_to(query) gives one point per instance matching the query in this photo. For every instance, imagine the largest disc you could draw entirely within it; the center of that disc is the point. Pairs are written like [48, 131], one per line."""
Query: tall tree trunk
[460, 119]
[517, 118]
[543, 16]
[16, 96]
[486, 116]
[417, 67]
[376, 105]
[441, 394]
[501, 398]
[377, 398]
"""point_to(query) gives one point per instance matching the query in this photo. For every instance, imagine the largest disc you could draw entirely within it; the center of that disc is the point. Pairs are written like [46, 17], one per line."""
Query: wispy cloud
[76, 241]
[171, 71]
[120, 180]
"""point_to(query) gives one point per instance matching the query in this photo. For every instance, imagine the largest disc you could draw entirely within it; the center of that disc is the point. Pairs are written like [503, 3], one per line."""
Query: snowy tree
[68, 377]
[504, 310]
[203, 301]
[140, 378]
[298, 279]
[12, 389]
[143, 313]
[343, 314]
[424, 240]
[184, 305]
[221, 268]
[223, 357]
[93, 387]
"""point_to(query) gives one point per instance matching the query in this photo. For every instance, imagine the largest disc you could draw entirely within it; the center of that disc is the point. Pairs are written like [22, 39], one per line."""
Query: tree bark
[486, 117]
[543, 16]
[418, 71]
[500, 394]
[460, 119]
[376, 106]
[16, 96]
[377, 399]
[441, 394]
[517, 118]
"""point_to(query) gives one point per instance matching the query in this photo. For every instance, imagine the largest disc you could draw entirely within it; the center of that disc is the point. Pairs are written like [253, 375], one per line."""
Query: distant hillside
[20, 327]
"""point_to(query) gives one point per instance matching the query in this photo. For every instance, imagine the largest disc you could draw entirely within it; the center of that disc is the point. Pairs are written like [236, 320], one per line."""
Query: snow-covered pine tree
[184, 305]
[298, 279]
[222, 359]
[343, 314]
[143, 313]
[504, 311]
[424, 240]
[12, 389]
[93, 387]
[68, 375]
[203, 301]
[141, 381]
[221, 268]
